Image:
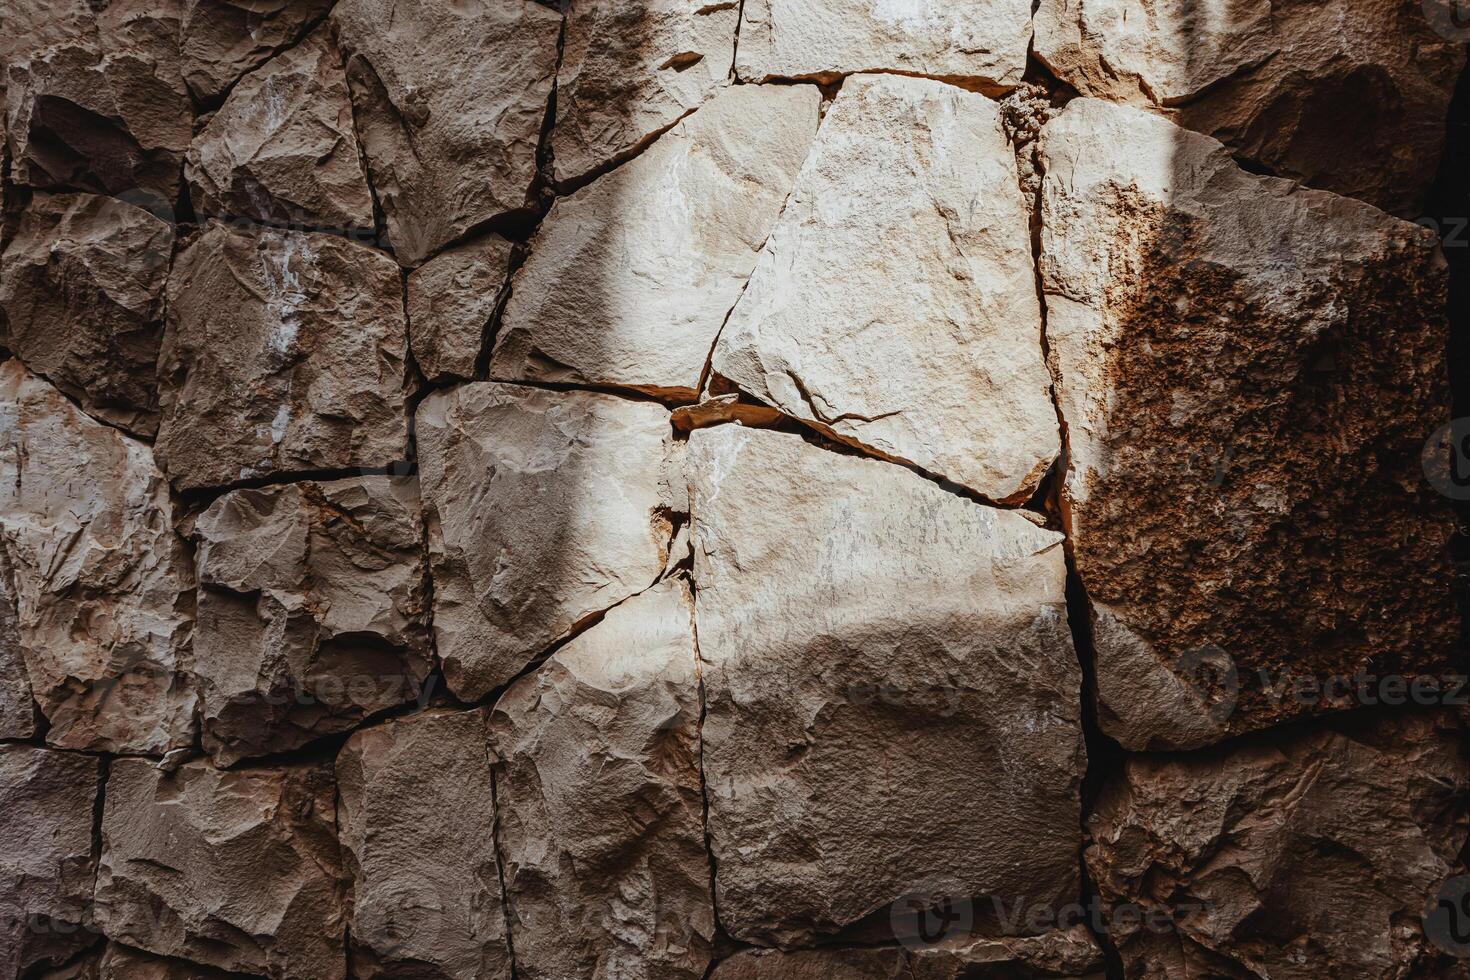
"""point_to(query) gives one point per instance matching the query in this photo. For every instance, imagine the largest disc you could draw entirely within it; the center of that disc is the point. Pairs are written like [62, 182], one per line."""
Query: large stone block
[451, 301]
[220, 40]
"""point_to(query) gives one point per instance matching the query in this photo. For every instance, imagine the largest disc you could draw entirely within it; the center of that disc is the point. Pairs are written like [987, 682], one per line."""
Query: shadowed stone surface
[451, 299]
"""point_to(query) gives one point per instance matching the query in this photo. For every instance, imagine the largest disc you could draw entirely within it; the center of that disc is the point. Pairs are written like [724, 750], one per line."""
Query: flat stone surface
[630, 279]
[418, 835]
[891, 691]
[928, 349]
[601, 811]
[284, 352]
[1056, 954]
[450, 128]
[81, 290]
[1216, 335]
[103, 586]
[312, 611]
[221, 40]
[235, 870]
[451, 300]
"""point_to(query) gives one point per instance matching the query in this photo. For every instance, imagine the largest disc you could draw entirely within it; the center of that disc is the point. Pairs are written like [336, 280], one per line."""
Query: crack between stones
[714, 894]
[510, 946]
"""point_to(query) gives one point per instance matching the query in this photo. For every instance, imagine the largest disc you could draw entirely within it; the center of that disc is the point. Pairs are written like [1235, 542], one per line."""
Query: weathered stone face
[628, 284]
[450, 104]
[1347, 95]
[284, 352]
[17, 710]
[120, 963]
[312, 611]
[81, 288]
[102, 585]
[221, 40]
[1215, 335]
[544, 509]
[850, 610]
[926, 349]
[451, 300]
[420, 845]
[236, 870]
[598, 789]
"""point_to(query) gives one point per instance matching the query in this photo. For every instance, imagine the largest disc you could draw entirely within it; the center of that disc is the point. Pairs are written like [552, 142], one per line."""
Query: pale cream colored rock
[103, 586]
[236, 870]
[450, 98]
[282, 149]
[544, 508]
[220, 40]
[891, 690]
[630, 279]
[1216, 335]
[925, 348]
[418, 837]
[1346, 95]
[631, 68]
[981, 43]
[598, 793]
[451, 300]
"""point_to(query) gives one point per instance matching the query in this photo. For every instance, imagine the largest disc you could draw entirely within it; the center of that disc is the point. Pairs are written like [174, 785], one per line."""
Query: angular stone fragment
[418, 832]
[120, 963]
[631, 69]
[220, 40]
[284, 352]
[630, 279]
[46, 860]
[981, 43]
[17, 710]
[450, 100]
[544, 508]
[312, 611]
[1215, 336]
[451, 300]
[102, 585]
[282, 148]
[927, 349]
[1055, 954]
[236, 870]
[600, 805]
[1308, 855]
[81, 289]
[1346, 95]
[851, 611]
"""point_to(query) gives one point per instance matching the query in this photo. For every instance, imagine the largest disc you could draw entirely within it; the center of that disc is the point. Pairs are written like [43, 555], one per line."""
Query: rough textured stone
[601, 810]
[102, 584]
[120, 963]
[544, 508]
[81, 289]
[1347, 95]
[283, 352]
[1308, 855]
[927, 349]
[236, 870]
[221, 40]
[312, 609]
[418, 816]
[46, 860]
[631, 69]
[451, 300]
[282, 148]
[891, 690]
[450, 99]
[630, 279]
[1056, 954]
[17, 710]
[981, 43]
[1215, 335]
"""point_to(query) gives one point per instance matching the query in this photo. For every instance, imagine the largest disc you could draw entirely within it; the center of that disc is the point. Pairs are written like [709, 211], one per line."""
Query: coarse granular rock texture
[46, 859]
[236, 870]
[282, 149]
[891, 690]
[102, 586]
[598, 790]
[221, 40]
[312, 611]
[450, 103]
[451, 301]
[544, 509]
[284, 352]
[1346, 95]
[926, 349]
[1214, 336]
[419, 842]
[1302, 855]
[118, 962]
[17, 710]
[81, 301]
[628, 284]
